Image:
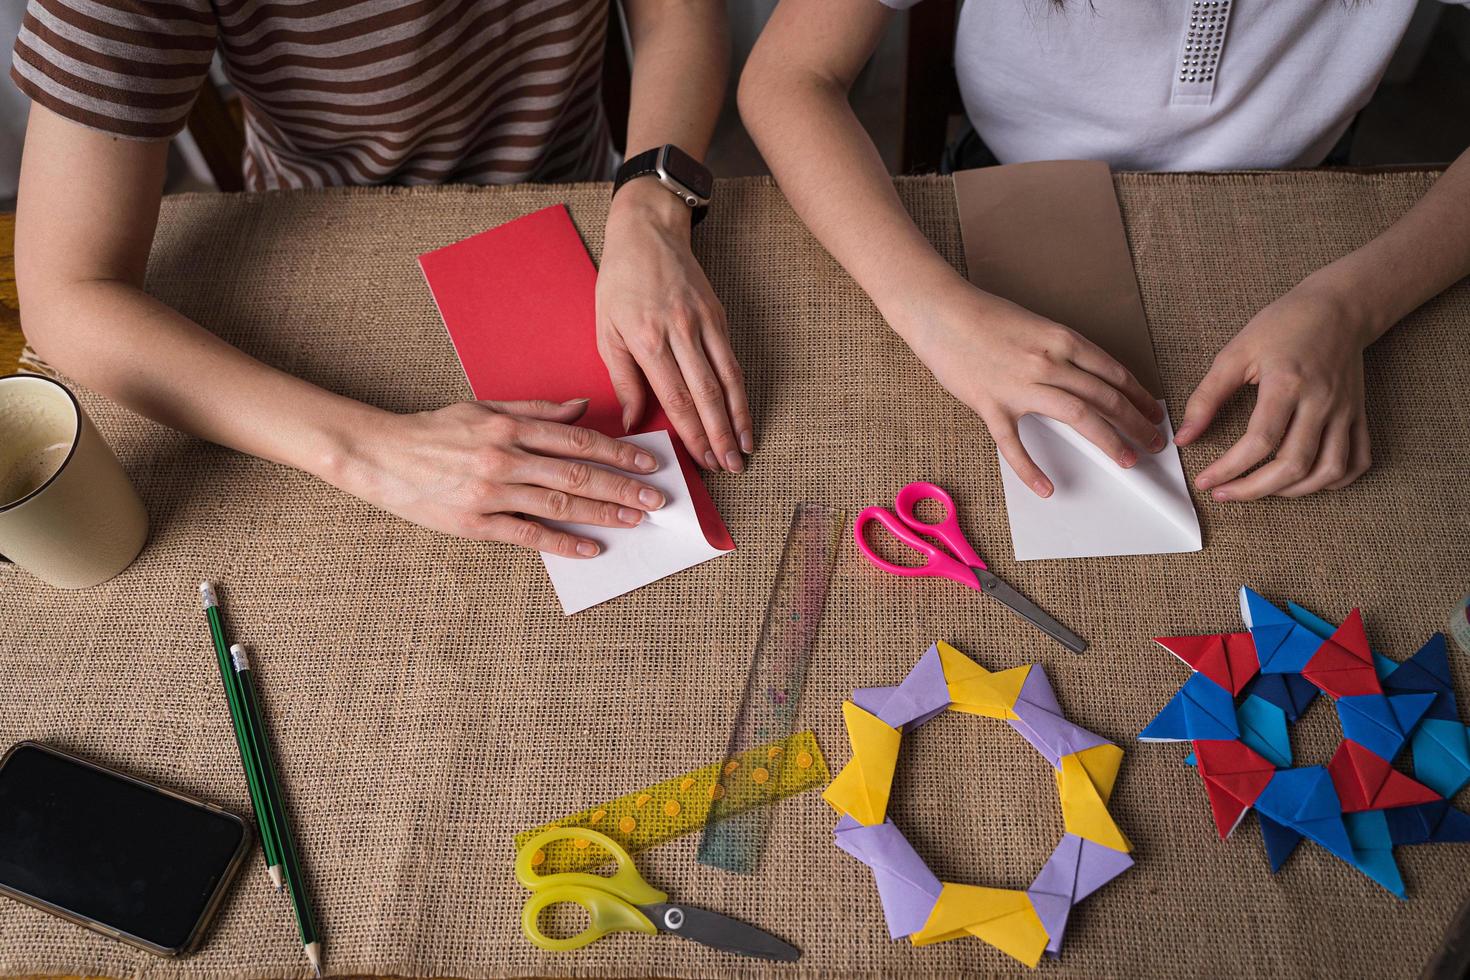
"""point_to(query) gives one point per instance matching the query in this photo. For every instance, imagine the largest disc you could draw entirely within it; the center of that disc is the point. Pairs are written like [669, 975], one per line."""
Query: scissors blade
[719, 932]
[992, 585]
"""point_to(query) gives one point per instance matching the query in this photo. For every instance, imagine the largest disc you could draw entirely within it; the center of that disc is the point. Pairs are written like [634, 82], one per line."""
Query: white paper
[668, 540]
[1098, 508]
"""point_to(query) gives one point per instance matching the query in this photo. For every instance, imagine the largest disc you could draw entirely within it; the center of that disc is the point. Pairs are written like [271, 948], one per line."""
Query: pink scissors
[961, 565]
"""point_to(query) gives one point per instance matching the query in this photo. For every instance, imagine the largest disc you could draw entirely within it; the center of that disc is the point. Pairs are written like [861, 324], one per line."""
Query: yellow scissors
[624, 902]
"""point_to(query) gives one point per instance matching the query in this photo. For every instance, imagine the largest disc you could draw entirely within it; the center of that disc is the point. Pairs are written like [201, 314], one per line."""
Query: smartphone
[124, 857]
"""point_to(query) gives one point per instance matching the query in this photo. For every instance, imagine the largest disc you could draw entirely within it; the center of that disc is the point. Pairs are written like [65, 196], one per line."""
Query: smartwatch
[685, 177]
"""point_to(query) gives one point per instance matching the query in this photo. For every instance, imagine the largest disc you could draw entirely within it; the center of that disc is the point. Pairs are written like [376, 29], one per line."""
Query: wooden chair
[930, 93]
[217, 124]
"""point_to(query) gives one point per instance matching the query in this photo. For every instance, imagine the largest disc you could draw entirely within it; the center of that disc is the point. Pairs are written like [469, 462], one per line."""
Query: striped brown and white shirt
[340, 91]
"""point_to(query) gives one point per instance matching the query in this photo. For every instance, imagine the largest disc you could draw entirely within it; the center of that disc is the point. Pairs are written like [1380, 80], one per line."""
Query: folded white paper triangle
[1098, 508]
[668, 540]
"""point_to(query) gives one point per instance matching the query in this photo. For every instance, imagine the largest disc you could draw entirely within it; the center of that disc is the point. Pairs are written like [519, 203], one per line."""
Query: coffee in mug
[68, 514]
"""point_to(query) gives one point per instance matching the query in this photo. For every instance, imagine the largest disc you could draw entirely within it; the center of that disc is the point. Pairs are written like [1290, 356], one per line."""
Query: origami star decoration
[1358, 807]
[916, 904]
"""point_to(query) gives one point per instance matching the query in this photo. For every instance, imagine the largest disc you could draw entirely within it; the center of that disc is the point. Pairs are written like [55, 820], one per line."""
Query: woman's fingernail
[645, 462]
[710, 463]
[1204, 482]
[1157, 444]
[1157, 415]
[586, 549]
[629, 516]
[1185, 432]
[650, 498]
[747, 442]
[575, 401]
[627, 422]
[1042, 488]
[733, 462]
[1221, 495]
[1127, 458]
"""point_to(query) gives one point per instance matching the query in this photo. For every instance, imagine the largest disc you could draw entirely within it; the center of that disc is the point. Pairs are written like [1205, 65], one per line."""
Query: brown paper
[1049, 236]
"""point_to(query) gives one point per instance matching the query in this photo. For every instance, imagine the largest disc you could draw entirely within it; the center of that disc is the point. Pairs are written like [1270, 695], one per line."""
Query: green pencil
[276, 808]
[242, 737]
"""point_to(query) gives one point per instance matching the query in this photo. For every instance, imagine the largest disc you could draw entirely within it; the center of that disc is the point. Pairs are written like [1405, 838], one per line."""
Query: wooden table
[11, 340]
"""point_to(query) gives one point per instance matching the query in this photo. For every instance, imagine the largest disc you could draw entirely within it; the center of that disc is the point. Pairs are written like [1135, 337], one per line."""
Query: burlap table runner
[431, 699]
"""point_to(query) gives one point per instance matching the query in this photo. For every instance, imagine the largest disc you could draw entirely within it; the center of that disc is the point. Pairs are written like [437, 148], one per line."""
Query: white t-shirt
[1172, 84]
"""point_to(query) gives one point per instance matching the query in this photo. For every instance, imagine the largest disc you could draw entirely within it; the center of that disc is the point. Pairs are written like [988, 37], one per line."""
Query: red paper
[1343, 665]
[1228, 659]
[519, 304]
[1366, 782]
[1235, 776]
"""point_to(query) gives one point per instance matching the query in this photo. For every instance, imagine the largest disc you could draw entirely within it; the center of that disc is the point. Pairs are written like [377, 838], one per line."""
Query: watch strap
[645, 164]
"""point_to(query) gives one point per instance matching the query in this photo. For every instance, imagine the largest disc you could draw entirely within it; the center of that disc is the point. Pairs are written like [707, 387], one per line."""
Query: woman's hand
[1005, 362]
[658, 318]
[1304, 353]
[471, 469]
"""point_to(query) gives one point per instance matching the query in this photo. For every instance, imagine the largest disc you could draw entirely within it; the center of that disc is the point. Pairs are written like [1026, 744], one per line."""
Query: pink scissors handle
[947, 529]
[939, 564]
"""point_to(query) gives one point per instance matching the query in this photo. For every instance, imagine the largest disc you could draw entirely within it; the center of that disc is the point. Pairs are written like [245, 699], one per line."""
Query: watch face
[689, 171]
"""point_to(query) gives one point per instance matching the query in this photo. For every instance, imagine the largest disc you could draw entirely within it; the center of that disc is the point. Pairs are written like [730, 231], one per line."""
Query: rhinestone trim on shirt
[1199, 54]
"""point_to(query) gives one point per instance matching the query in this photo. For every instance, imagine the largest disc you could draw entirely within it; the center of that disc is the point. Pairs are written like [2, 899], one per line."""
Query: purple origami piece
[1077, 868]
[906, 886]
[923, 694]
[1041, 722]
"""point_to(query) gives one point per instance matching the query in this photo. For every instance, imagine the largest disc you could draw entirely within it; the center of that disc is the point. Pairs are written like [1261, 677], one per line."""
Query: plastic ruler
[674, 807]
[733, 840]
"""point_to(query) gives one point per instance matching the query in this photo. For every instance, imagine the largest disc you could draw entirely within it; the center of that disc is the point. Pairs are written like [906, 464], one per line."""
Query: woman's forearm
[833, 176]
[1415, 259]
[681, 59]
[126, 345]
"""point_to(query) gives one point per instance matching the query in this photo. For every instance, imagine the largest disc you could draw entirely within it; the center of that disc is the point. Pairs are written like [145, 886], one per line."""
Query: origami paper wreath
[1358, 806]
[1092, 852]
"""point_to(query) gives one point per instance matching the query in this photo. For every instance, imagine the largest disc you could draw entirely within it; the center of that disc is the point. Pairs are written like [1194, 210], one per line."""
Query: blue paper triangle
[1201, 709]
[1263, 728]
[1280, 840]
[1292, 693]
[1409, 708]
[1428, 671]
[1441, 755]
[1283, 646]
[1304, 800]
[1373, 846]
[1372, 722]
[1428, 823]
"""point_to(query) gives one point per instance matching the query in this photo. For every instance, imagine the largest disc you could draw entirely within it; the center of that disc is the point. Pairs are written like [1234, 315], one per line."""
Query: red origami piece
[1228, 659]
[1235, 776]
[1343, 666]
[1364, 781]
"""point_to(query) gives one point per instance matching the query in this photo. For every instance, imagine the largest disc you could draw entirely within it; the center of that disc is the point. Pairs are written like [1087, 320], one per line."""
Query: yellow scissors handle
[607, 913]
[611, 902]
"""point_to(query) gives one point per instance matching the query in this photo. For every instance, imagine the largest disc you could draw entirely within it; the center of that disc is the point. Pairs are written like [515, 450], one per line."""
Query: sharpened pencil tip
[275, 873]
[314, 953]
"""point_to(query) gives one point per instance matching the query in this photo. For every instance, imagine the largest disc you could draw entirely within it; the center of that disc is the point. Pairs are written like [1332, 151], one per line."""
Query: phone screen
[102, 847]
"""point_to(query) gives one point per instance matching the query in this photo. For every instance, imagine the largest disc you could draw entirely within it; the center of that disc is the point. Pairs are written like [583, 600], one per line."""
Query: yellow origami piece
[1002, 917]
[861, 788]
[1085, 783]
[975, 690]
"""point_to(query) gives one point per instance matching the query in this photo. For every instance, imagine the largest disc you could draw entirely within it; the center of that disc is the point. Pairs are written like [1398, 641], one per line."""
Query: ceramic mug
[68, 514]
